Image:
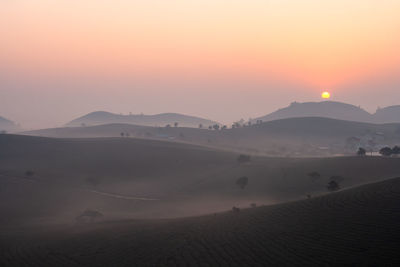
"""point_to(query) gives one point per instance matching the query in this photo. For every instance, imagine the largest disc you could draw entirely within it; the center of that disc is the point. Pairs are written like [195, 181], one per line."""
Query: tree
[386, 151]
[396, 150]
[333, 186]
[210, 127]
[29, 173]
[216, 127]
[361, 152]
[89, 216]
[243, 158]
[122, 134]
[168, 126]
[224, 127]
[242, 182]
[176, 124]
[200, 126]
[314, 176]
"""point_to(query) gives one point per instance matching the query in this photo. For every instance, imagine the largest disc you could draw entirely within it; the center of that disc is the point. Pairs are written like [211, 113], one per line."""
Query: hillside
[327, 109]
[387, 115]
[53, 180]
[102, 117]
[7, 125]
[355, 227]
[287, 137]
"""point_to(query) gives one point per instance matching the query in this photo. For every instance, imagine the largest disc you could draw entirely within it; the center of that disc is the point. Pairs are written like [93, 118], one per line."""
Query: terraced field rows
[355, 227]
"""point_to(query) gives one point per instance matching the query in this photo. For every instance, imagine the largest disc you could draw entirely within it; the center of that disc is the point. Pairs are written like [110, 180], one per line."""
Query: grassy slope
[185, 179]
[355, 227]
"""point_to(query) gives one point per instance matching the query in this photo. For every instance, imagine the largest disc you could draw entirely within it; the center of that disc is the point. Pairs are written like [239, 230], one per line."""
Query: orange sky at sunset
[316, 44]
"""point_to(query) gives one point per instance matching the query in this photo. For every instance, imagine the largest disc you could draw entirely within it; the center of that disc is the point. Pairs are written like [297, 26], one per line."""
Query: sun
[326, 95]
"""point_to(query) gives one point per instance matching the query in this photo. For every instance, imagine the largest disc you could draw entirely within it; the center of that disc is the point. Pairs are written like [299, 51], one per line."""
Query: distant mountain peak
[162, 119]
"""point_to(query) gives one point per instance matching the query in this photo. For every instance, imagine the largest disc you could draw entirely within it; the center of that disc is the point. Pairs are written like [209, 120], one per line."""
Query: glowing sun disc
[326, 95]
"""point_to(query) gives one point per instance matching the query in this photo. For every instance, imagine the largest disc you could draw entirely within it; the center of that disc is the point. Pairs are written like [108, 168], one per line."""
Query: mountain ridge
[334, 110]
[161, 119]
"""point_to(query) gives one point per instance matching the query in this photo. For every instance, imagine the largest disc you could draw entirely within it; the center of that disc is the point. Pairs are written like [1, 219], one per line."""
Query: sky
[218, 59]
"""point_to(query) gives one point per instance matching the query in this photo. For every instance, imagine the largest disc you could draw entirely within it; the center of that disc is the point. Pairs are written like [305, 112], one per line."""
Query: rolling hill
[387, 115]
[328, 109]
[334, 110]
[355, 227]
[7, 125]
[102, 117]
[53, 180]
[287, 137]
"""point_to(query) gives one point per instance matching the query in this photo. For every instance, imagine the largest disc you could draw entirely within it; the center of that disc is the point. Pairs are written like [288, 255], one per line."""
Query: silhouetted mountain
[327, 109]
[7, 125]
[387, 115]
[102, 117]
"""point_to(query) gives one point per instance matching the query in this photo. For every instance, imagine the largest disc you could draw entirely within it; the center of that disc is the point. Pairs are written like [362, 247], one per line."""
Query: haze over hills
[334, 110]
[7, 125]
[287, 137]
[387, 115]
[102, 117]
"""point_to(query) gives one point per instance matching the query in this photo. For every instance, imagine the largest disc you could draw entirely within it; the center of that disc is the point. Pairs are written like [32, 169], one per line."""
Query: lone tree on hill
[386, 151]
[333, 186]
[361, 152]
[242, 182]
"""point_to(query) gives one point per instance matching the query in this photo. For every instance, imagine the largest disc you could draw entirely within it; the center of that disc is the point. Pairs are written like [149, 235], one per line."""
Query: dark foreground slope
[355, 227]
